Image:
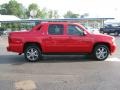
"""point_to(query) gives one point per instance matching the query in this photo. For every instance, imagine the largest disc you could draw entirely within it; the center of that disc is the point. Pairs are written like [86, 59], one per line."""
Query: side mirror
[85, 33]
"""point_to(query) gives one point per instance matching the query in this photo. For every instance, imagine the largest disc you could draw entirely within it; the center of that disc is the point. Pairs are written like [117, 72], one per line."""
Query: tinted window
[55, 29]
[74, 30]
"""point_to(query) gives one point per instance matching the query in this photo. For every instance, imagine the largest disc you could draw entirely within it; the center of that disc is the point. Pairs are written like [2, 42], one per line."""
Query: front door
[77, 41]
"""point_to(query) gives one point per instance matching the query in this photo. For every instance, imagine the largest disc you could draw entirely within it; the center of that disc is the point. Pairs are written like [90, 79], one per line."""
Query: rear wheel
[32, 53]
[101, 52]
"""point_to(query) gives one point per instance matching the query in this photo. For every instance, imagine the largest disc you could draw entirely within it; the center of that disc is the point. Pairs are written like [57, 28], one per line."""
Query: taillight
[9, 38]
[13, 40]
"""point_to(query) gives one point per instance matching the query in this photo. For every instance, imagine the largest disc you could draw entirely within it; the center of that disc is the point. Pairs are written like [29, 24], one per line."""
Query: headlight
[113, 39]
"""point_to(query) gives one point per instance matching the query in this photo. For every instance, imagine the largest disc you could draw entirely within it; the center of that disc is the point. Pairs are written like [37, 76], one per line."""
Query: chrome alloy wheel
[32, 54]
[101, 53]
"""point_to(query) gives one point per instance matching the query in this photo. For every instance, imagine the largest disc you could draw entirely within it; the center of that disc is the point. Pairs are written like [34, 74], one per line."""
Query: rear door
[55, 39]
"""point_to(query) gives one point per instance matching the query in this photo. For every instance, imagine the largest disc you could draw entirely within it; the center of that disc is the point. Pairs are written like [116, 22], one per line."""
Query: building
[87, 22]
[4, 18]
[8, 18]
[91, 22]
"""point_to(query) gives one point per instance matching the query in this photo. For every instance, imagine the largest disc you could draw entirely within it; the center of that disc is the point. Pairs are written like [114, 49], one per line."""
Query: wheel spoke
[29, 57]
[32, 50]
[102, 49]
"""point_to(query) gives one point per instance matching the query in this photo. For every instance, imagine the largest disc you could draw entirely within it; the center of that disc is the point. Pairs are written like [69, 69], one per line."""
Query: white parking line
[25, 85]
[113, 59]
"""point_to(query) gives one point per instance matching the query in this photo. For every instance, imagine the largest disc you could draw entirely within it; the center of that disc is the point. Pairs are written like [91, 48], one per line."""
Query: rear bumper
[15, 48]
[8, 49]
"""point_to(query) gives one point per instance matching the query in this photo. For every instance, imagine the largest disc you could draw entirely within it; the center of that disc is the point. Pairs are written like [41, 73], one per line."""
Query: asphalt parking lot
[69, 72]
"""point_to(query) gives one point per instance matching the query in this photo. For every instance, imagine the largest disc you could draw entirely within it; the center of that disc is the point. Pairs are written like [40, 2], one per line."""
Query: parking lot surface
[59, 72]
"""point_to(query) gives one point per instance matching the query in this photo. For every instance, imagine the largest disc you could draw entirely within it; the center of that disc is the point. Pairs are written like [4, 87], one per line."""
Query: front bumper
[113, 48]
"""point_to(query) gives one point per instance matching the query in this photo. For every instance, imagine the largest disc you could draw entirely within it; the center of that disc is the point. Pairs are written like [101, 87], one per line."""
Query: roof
[50, 20]
[8, 18]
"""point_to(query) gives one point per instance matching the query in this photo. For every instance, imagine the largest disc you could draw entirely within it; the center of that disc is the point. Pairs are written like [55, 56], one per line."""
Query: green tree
[84, 15]
[33, 6]
[70, 14]
[39, 13]
[50, 14]
[24, 11]
[53, 14]
[43, 13]
[34, 9]
[3, 9]
[13, 8]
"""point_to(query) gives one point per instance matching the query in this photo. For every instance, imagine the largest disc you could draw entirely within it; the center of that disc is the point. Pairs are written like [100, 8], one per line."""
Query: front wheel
[101, 52]
[32, 53]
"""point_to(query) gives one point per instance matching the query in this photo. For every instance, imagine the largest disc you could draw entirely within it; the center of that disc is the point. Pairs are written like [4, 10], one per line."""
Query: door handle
[48, 38]
[69, 37]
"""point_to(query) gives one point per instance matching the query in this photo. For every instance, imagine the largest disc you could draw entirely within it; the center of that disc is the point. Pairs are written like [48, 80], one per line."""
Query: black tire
[103, 54]
[116, 33]
[102, 32]
[108, 33]
[32, 53]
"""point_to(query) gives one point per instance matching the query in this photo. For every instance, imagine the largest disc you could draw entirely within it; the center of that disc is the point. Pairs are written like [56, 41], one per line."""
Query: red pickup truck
[60, 38]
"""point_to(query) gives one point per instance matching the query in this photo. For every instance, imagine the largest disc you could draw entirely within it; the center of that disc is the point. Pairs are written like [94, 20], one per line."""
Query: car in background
[1, 31]
[110, 29]
[7, 31]
[92, 30]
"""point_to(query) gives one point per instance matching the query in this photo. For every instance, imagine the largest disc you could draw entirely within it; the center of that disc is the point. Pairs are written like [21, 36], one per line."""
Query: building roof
[8, 18]
[112, 21]
[15, 19]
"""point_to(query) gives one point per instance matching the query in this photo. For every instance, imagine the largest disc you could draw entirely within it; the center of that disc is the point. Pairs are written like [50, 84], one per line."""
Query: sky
[95, 8]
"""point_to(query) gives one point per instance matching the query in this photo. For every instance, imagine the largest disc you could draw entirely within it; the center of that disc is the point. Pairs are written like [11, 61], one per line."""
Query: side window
[75, 30]
[55, 29]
